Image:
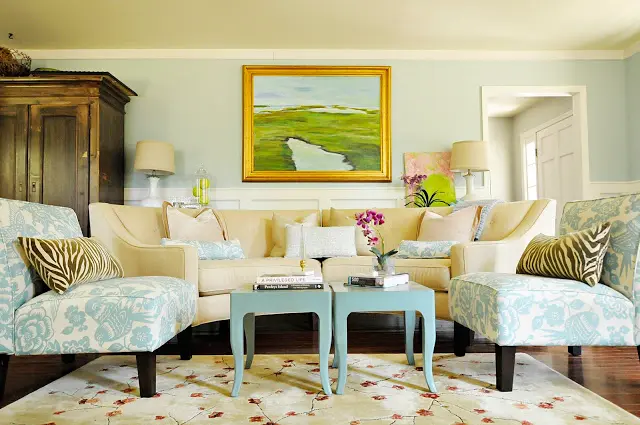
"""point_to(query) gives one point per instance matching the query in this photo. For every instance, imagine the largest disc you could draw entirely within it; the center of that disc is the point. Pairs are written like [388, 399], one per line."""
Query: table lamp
[155, 159]
[468, 156]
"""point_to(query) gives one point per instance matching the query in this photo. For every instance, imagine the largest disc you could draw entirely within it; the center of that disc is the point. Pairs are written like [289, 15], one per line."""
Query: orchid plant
[419, 197]
[370, 222]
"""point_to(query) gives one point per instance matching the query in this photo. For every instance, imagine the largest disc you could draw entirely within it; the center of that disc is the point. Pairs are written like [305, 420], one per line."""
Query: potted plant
[370, 222]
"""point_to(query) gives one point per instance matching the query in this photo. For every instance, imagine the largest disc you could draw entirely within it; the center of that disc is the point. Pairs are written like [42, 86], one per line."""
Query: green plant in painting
[430, 191]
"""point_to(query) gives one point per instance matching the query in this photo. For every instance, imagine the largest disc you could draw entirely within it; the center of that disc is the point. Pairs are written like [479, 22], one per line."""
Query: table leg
[237, 347]
[428, 345]
[409, 329]
[340, 323]
[250, 336]
[334, 364]
[324, 344]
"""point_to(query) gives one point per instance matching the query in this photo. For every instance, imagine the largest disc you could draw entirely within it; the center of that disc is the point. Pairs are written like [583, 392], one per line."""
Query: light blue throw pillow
[486, 204]
[224, 250]
[425, 249]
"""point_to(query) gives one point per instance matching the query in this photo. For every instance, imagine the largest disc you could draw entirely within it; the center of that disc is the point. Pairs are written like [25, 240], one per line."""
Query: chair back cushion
[621, 269]
[18, 218]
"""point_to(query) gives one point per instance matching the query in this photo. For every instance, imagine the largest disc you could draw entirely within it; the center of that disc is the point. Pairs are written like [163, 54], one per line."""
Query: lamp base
[470, 193]
[153, 200]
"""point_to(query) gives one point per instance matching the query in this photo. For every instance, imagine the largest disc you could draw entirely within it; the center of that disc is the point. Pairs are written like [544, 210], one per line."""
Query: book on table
[385, 281]
[295, 277]
[286, 286]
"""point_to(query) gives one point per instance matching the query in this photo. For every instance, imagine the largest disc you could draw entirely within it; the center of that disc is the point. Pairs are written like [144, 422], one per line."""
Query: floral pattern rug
[285, 390]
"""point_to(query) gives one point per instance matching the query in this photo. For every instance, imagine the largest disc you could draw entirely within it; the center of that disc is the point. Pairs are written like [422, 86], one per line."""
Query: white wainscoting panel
[606, 189]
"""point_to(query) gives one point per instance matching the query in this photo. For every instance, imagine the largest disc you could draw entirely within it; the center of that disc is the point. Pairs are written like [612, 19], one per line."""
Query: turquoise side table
[409, 298]
[245, 302]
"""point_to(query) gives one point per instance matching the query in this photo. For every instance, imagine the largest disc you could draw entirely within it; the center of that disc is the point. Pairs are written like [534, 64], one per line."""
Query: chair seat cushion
[117, 315]
[518, 310]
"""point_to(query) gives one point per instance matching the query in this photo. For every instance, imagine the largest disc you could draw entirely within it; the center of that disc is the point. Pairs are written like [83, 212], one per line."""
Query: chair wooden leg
[4, 368]
[575, 350]
[184, 343]
[68, 358]
[462, 338]
[505, 363]
[146, 374]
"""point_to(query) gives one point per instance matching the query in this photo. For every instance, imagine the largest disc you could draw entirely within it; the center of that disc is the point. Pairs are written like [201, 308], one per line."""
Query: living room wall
[633, 114]
[196, 104]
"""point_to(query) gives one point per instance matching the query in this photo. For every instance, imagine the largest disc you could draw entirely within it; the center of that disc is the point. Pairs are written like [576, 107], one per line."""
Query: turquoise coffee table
[246, 302]
[409, 298]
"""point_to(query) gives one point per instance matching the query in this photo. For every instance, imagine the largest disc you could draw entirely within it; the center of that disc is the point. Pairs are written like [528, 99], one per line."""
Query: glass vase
[386, 268]
[202, 185]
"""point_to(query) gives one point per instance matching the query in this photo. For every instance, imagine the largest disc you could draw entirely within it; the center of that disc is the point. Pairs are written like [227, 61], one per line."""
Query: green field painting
[326, 123]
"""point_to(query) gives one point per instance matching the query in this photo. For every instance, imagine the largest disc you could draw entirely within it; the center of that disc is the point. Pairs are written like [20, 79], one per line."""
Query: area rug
[285, 390]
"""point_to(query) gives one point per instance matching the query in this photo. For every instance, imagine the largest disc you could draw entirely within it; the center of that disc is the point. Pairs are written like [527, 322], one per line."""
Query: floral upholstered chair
[132, 314]
[518, 309]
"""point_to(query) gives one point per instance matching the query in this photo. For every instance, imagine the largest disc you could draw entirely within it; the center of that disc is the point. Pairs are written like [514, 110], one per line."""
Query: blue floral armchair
[521, 310]
[132, 314]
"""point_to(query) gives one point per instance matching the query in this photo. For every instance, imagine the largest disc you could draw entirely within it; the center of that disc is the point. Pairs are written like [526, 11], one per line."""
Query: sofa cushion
[116, 315]
[204, 226]
[458, 226]
[279, 235]
[504, 219]
[223, 276]
[512, 309]
[434, 273]
[338, 218]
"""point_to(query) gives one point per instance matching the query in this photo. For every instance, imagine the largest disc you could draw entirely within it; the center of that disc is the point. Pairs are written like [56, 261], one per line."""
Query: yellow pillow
[339, 219]
[278, 235]
[458, 226]
[205, 226]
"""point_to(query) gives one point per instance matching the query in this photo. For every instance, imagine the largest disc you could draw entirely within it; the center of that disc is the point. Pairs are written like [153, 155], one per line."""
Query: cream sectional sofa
[134, 233]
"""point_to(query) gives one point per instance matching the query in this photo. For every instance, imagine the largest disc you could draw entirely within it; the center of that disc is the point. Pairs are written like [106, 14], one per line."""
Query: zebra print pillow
[577, 256]
[65, 262]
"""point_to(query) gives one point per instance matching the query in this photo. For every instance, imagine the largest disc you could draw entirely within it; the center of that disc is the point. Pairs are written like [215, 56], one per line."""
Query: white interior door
[559, 165]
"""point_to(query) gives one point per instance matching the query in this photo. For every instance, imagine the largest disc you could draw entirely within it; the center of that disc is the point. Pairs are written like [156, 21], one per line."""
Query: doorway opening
[538, 142]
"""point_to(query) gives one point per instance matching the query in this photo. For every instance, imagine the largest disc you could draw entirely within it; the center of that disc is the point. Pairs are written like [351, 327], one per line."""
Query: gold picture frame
[316, 123]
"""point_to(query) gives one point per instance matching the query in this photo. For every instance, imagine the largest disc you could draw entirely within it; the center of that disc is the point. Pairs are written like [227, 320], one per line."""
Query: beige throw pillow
[459, 226]
[203, 227]
[278, 224]
[339, 219]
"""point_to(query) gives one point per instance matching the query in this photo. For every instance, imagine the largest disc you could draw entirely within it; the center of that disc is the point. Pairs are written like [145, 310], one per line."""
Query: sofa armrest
[495, 256]
[155, 260]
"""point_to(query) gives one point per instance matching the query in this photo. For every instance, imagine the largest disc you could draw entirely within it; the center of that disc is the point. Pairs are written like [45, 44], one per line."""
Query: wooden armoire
[62, 139]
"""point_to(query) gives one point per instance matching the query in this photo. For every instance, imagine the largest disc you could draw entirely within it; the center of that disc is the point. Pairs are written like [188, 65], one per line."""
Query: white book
[289, 278]
[379, 281]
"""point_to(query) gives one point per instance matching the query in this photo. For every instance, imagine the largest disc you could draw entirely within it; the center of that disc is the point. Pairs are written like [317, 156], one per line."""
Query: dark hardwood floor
[613, 373]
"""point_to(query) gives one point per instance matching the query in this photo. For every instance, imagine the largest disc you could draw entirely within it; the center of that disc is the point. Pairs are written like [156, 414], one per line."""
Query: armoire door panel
[13, 147]
[58, 159]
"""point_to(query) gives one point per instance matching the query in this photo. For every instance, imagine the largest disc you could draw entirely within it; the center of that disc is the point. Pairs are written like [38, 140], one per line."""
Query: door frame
[580, 116]
[527, 135]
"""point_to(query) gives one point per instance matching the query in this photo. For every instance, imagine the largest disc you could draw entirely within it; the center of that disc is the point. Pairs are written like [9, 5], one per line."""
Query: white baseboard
[293, 198]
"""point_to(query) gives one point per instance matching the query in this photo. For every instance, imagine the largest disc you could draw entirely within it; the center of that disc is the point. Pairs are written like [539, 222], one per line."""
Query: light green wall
[633, 114]
[197, 105]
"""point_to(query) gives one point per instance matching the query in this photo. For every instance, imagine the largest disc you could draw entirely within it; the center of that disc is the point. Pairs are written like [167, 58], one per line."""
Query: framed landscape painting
[316, 124]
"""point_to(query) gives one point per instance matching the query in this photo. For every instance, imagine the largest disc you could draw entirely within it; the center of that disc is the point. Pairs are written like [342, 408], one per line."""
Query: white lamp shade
[154, 157]
[470, 155]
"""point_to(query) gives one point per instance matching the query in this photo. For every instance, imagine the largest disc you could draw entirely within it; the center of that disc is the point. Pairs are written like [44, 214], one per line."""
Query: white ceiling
[321, 24]
[506, 107]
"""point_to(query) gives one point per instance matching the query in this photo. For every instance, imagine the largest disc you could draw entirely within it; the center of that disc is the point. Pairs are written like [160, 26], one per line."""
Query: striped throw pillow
[62, 263]
[577, 256]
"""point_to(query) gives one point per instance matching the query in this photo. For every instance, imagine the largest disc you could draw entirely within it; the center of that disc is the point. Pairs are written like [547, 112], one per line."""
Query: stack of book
[288, 282]
[386, 281]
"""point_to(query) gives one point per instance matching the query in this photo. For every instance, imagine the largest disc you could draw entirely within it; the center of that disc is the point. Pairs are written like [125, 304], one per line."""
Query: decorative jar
[202, 185]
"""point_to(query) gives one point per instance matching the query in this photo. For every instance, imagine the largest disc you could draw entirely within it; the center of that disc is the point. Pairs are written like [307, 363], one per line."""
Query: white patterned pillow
[207, 250]
[320, 242]
[425, 249]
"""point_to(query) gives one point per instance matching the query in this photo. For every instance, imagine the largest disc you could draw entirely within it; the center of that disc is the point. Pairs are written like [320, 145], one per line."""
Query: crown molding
[337, 54]
[632, 50]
